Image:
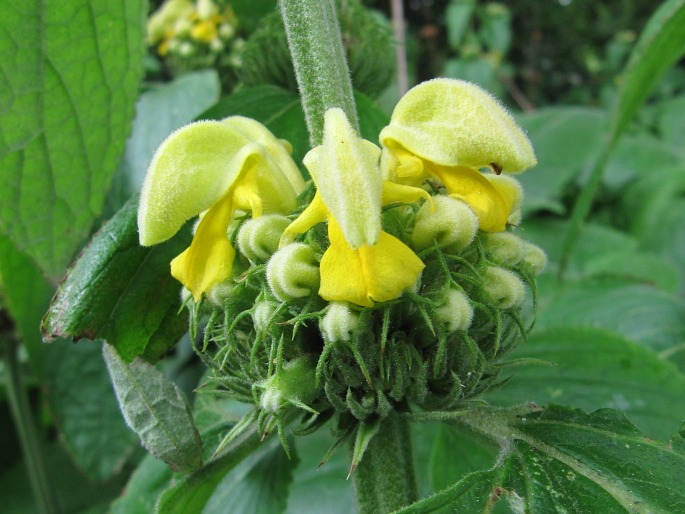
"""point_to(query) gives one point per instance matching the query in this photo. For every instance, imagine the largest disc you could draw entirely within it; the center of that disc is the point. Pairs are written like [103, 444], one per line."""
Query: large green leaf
[639, 312]
[661, 44]
[591, 368]
[455, 454]
[563, 460]
[671, 123]
[69, 74]
[122, 292]
[86, 411]
[321, 487]
[156, 410]
[565, 140]
[655, 210]
[259, 485]
[190, 495]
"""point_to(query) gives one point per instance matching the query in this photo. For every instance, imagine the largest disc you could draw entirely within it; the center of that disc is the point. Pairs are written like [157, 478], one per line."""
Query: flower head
[449, 130]
[215, 168]
[363, 264]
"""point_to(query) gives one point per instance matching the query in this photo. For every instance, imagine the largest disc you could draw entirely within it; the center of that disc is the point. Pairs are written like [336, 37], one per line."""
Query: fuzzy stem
[31, 446]
[385, 480]
[319, 59]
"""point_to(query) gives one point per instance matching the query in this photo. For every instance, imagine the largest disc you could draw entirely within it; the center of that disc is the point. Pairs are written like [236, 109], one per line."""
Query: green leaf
[602, 251]
[86, 411]
[455, 454]
[190, 495]
[372, 119]
[27, 294]
[121, 292]
[671, 123]
[457, 18]
[70, 72]
[565, 140]
[147, 482]
[259, 485]
[156, 410]
[661, 44]
[641, 313]
[637, 156]
[592, 368]
[564, 460]
[655, 211]
[159, 111]
[250, 12]
[320, 487]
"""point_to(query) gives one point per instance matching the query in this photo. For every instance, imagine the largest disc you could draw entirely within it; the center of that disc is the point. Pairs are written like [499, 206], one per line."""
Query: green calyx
[275, 343]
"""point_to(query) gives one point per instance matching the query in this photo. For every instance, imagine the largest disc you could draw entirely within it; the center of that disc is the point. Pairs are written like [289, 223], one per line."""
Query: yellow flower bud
[456, 311]
[258, 238]
[504, 287]
[452, 224]
[339, 322]
[503, 248]
[534, 258]
[293, 272]
[262, 314]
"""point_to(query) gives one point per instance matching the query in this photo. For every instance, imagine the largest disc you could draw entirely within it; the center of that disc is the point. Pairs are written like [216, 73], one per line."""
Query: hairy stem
[385, 480]
[316, 47]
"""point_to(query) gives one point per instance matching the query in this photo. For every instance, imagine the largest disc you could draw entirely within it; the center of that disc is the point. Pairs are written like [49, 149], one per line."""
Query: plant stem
[319, 59]
[385, 480]
[23, 420]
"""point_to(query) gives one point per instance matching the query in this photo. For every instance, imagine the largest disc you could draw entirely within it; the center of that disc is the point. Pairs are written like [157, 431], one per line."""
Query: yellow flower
[215, 167]
[363, 264]
[449, 130]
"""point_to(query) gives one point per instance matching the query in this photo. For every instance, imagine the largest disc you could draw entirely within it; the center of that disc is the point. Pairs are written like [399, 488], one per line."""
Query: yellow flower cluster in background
[196, 33]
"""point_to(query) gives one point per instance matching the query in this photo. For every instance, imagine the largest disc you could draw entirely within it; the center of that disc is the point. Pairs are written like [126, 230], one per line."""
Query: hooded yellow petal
[491, 208]
[345, 170]
[209, 258]
[197, 165]
[371, 273]
[278, 150]
[454, 123]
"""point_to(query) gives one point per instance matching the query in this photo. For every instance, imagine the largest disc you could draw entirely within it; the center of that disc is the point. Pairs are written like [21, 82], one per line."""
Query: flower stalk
[323, 76]
[385, 480]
